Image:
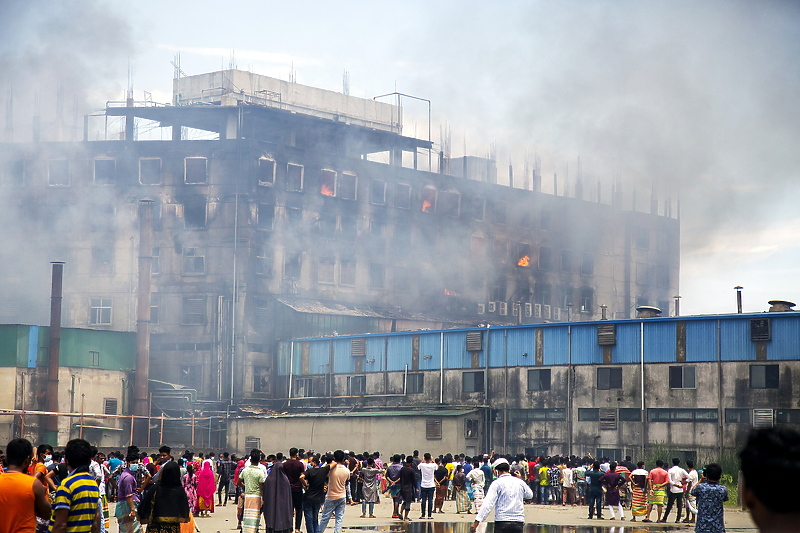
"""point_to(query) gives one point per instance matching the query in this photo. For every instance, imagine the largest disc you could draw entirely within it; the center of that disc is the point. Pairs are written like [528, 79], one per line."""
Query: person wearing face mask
[127, 497]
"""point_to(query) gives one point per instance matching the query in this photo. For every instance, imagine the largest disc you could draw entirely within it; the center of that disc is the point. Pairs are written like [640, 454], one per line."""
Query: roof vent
[647, 311]
[780, 306]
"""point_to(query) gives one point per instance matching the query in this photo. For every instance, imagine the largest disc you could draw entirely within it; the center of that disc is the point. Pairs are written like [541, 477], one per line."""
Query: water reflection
[488, 527]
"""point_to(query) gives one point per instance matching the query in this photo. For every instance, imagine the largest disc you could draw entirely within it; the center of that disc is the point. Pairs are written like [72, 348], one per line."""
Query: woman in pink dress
[190, 486]
[206, 487]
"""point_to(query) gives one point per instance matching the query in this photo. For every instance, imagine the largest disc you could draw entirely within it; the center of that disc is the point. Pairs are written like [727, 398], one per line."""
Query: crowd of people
[42, 490]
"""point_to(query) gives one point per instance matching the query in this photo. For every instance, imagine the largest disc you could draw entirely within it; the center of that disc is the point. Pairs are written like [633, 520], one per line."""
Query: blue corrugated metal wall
[785, 343]
[735, 341]
[507, 344]
[521, 341]
[555, 346]
[659, 342]
[585, 350]
[701, 341]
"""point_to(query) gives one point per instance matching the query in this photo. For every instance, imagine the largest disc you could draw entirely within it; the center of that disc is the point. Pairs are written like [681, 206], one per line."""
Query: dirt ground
[224, 519]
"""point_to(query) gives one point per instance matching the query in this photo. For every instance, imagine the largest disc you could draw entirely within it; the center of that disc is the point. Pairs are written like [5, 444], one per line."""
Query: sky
[699, 100]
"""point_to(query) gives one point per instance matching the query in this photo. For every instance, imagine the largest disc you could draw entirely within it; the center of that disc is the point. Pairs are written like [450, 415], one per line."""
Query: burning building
[303, 212]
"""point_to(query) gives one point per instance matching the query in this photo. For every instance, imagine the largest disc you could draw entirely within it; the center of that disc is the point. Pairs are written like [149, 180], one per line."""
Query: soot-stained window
[266, 171]
[195, 170]
[150, 170]
[347, 186]
[194, 212]
[294, 177]
[402, 196]
[105, 171]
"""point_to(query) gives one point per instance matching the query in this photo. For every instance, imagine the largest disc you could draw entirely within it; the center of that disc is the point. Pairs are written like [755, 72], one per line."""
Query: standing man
[657, 481]
[127, 495]
[427, 484]
[22, 498]
[408, 485]
[294, 468]
[677, 476]
[224, 470]
[252, 478]
[338, 477]
[75, 505]
[313, 479]
[506, 495]
[595, 490]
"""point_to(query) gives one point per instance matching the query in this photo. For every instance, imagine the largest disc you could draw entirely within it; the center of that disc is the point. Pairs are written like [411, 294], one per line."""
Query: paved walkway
[224, 519]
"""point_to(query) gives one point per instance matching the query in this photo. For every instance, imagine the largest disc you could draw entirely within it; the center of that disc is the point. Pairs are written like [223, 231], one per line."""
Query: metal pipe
[235, 249]
[192, 429]
[161, 433]
[405, 381]
[83, 405]
[142, 376]
[55, 347]
[738, 290]
[505, 391]
[641, 358]
[441, 367]
[569, 386]
[22, 405]
[291, 371]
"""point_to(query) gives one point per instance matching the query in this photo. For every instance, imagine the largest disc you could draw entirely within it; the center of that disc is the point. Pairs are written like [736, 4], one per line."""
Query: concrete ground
[224, 520]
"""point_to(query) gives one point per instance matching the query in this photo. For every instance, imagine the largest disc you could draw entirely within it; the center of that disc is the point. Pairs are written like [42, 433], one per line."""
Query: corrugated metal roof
[318, 307]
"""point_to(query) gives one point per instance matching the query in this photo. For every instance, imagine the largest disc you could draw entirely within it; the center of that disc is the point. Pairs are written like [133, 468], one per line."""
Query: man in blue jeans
[336, 498]
[313, 481]
[427, 484]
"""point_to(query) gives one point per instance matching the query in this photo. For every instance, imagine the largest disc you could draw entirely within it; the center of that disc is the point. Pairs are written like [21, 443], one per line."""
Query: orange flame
[426, 206]
[326, 189]
[524, 261]
[450, 293]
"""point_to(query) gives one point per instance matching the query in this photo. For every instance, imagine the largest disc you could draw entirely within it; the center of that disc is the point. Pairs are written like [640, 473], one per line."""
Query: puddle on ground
[488, 527]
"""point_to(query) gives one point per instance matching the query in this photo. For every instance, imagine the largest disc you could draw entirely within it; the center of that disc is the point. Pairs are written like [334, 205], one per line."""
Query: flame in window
[427, 206]
[326, 189]
[524, 261]
[450, 293]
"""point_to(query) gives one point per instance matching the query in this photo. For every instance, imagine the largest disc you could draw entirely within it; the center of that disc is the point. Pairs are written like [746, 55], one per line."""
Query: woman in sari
[460, 490]
[639, 492]
[206, 487]
[277, 501]
[190, 487]
[164, 504]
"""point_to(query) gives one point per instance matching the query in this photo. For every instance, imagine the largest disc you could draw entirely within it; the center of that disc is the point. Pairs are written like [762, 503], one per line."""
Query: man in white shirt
[427, 485]
[677, 476]
[506, 495]
[691, 506]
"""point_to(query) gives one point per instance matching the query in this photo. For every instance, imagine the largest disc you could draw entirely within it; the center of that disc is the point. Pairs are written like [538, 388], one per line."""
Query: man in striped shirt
[75, 505]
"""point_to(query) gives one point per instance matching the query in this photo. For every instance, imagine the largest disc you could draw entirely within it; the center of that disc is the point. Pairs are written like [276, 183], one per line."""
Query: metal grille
[607, 335]
[760, 329]
[471, 428]
[110, 406]
[474, 341]
[358, 347]
[433, 429]
[763, 418]
[608, 419]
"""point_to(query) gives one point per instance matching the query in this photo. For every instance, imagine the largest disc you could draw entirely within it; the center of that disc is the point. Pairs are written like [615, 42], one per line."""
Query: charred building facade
[302, 212]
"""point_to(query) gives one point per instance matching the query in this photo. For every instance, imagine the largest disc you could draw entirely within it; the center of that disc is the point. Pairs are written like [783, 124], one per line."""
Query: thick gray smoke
[699, 98]
[59, 60]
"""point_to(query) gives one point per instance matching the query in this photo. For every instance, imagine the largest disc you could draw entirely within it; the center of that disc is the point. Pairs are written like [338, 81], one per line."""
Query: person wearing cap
[506, 495]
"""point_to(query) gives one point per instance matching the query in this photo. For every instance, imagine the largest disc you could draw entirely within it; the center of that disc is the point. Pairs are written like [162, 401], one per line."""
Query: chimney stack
[647, 311]
[51, 422]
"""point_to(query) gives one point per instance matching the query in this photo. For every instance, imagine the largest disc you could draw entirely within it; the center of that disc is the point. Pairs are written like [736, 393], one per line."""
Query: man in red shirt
[22, 497]
[657, 481]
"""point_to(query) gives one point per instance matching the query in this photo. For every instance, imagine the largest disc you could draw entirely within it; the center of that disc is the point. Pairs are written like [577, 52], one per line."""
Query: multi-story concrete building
[302, 212]
[694, 385]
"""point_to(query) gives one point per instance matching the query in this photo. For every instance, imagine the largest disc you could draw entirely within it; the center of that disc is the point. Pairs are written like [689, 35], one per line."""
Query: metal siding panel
[555, 345]
[400, 348]
[342, 360]
[785, 341]
[701, 341]
[319, 355]
[659, 342]
[429, 344]
[521, 341]
[628, 347]
[376, 347]
[735, 340]
[33, 345]
[455, 350]
[283, 358]
[585, 350]
[496, 357]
